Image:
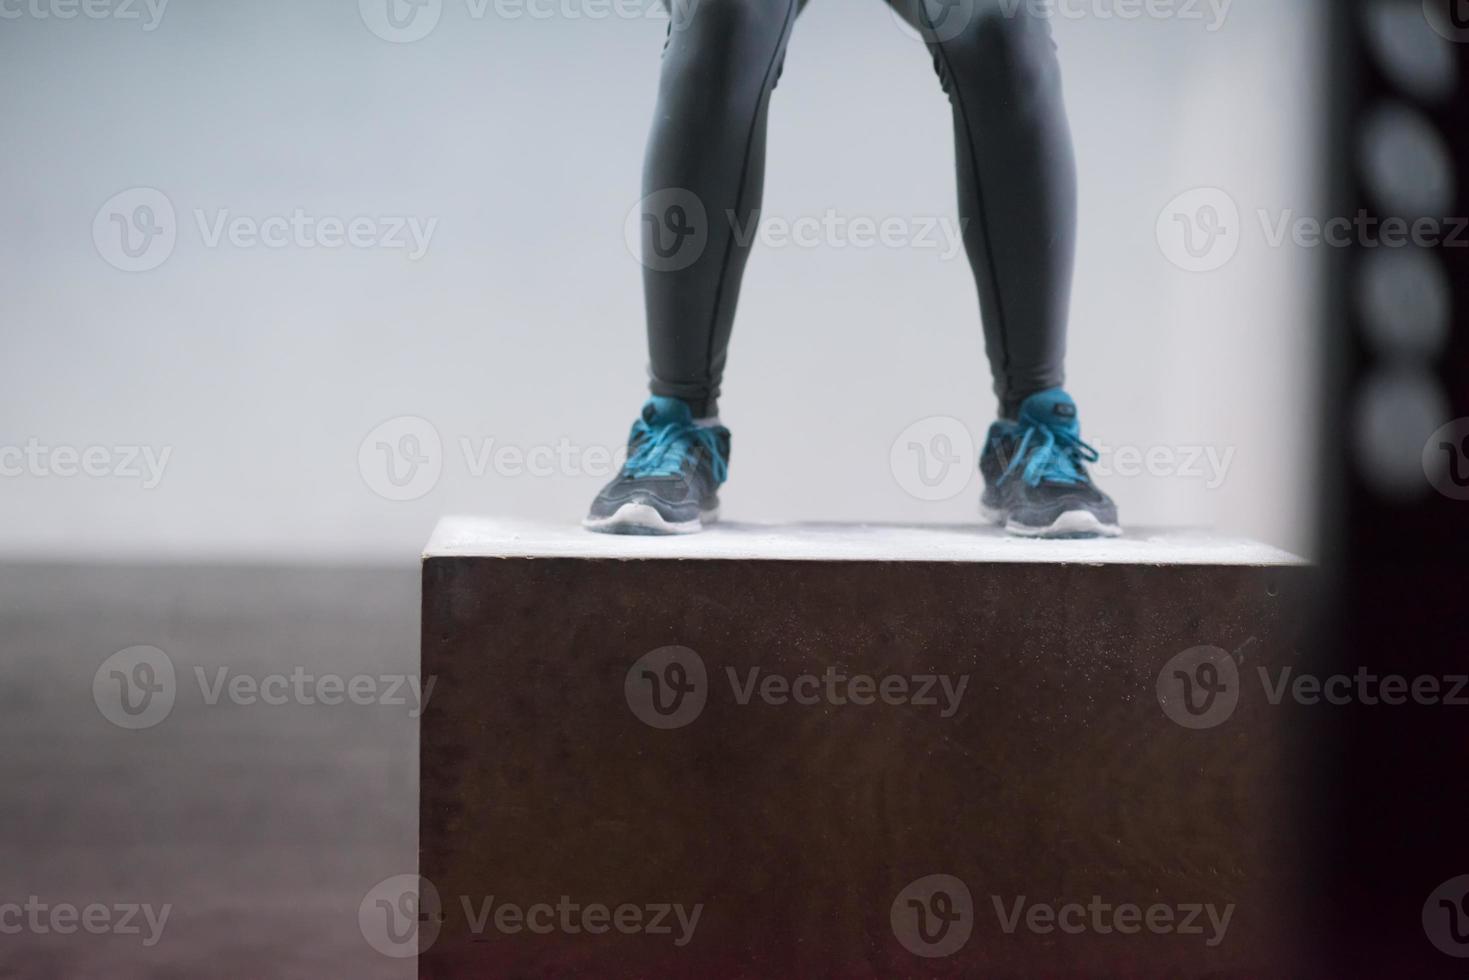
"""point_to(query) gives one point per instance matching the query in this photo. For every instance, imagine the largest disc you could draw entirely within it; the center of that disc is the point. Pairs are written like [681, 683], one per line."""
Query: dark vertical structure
[1393, 827]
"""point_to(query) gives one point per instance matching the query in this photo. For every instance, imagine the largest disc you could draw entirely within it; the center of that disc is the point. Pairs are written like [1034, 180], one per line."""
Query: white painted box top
[497, 537]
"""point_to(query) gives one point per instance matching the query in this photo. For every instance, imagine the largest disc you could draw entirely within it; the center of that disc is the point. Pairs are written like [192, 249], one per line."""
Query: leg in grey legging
[706, 164]
[1017, 179]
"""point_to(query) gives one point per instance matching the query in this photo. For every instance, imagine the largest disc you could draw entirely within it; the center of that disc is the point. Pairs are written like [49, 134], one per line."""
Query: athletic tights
[704, 174]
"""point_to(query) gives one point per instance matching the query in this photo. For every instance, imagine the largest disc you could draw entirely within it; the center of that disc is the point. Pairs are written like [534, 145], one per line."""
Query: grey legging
[706, 162]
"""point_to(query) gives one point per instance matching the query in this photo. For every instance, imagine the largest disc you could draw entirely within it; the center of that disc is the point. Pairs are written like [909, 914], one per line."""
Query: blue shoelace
[664, 447]
[1054, 455]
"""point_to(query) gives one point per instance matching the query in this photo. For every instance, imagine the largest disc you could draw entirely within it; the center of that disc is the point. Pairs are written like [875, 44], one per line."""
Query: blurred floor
[262, 826]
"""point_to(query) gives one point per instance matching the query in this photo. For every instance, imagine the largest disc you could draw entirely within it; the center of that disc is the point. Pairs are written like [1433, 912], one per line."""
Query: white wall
[261, 370]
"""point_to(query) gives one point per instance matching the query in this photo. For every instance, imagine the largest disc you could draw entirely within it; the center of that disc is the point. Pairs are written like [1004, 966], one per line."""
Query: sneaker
[1036, 484]
[668, 484]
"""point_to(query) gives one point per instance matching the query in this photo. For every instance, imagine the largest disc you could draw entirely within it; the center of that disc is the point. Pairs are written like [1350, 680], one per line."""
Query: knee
[725, 45]
[1004, 48]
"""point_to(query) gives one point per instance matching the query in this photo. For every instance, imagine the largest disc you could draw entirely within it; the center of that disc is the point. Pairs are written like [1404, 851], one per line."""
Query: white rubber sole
[1070, 524]
[641, 519]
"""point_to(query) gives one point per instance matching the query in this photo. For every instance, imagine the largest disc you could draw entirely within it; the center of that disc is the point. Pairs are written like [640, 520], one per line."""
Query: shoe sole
[634, 518]
[1069, 524]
